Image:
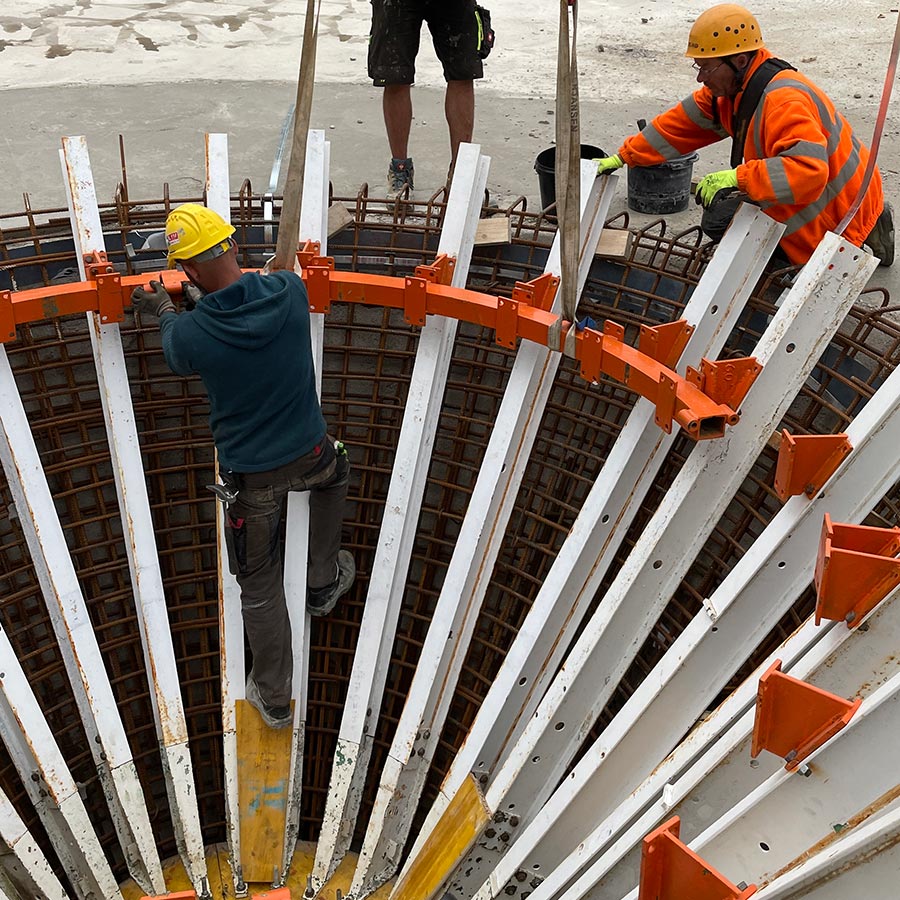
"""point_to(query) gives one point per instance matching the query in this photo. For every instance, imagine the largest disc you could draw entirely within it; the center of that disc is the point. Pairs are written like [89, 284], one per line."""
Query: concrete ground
[163, 74]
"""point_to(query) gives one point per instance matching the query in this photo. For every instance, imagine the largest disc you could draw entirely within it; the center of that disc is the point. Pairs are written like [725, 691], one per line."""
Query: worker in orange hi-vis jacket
[793, 154]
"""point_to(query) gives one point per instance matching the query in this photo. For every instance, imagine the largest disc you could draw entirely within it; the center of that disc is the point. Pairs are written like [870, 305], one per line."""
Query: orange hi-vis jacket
[803, 163]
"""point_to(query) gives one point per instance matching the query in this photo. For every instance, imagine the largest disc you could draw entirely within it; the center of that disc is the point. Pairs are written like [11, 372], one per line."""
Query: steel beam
[137, 525]
[469, 572]
[22, 861]
[864, 863]
[49, 783]
[757, 592]
[313, 227]
[401, 515]
[787, 351]
[75, 636]
[608, 511]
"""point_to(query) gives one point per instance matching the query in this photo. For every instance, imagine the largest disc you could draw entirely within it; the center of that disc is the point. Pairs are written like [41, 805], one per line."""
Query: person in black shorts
[393, 46]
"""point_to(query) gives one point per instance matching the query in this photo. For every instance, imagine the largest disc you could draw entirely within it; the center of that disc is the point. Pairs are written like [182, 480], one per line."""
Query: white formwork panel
[847, 781]
[756, 593]
[862, 863]
[789, 349]
[700, 780]
[313, 227]
[137, 524]
[397, 534]
[231, 627]
[469, 572]
[49, 783]
[22, 861]
[608, 511]
[75, 636]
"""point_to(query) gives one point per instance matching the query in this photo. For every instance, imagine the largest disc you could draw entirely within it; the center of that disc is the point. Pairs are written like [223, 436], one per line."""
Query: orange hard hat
[723, 30]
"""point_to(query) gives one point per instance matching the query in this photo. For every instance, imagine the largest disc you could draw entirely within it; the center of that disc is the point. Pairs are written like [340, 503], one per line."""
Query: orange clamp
[672, 871]
[807, 461]
[725, 381]
[794, 718]
[7, 317]
[438, 272]
[665, 342]
[283, 893]
[855, 570]
[539, 292]
[307, 252]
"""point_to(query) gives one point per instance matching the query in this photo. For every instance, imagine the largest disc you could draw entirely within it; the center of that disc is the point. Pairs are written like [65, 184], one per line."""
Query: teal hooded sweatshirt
[250, 344]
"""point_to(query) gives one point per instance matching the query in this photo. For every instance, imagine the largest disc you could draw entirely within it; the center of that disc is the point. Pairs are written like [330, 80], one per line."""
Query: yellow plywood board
[614, 242]
[452, 838]
[264, 760]
[221, 882]
[492, 231]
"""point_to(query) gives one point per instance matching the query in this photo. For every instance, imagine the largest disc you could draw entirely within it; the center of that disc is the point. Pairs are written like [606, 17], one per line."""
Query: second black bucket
[545, 166]
[661, 189]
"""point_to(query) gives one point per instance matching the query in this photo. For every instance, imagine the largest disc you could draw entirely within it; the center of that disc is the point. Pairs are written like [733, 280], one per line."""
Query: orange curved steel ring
[702, 404]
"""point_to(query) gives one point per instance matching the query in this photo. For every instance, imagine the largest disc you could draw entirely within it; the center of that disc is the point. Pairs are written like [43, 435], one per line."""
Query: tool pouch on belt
[485, 32]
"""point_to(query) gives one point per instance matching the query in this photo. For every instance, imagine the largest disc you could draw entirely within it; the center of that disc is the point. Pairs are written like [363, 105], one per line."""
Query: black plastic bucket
[661, 189]
[545, 166]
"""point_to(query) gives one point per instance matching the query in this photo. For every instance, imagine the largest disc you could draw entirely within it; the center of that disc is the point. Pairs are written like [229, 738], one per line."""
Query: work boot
[881, 239]
[273, 716]
[321, 601]
[400, 176]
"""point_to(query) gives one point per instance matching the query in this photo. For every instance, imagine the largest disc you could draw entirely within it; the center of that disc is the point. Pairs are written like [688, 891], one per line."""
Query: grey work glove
[191, 295]
[155, 301]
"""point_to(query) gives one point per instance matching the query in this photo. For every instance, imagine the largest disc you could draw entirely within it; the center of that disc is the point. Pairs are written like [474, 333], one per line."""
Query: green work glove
[711, 184]
[155, 301]
[608, 164]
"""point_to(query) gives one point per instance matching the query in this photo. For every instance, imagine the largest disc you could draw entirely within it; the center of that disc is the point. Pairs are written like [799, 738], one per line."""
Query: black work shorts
[394, 39]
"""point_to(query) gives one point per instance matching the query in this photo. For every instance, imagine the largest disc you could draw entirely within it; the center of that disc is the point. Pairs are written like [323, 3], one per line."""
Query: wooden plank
[339, 217]
[492, 231]
[615, 242]
[264, 757]
[449, 842]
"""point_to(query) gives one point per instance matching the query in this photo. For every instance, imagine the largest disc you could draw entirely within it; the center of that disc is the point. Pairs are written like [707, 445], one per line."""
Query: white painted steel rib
[22, 861]
[699, 780]
[137, 526]
[313, 227]
[401, 515]
[861, 863]
[469, 572]
[49, 783]
[608, 511]
[789, 349]
[848, 781]
[761, 587]
[75, 636]
[231, 627]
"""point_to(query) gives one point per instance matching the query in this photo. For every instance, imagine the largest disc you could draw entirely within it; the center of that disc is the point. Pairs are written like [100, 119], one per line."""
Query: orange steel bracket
[665, 402]
[318, 284]
[438, 272]
[855, 570]
[283, 893]
[539, 292]
[794, 718]
[7, 317]
[672, 871]
[110, 297]
[307, 252]
[807, 461]
[415, 299]
[665, 342]
[725, 381]
[507, 327]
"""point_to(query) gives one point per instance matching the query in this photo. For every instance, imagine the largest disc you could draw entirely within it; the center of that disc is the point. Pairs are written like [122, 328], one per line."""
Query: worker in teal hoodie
[248, 338]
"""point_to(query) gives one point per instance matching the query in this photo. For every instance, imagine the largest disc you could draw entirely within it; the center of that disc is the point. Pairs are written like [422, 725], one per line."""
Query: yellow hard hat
[193, 230]
[723, 30]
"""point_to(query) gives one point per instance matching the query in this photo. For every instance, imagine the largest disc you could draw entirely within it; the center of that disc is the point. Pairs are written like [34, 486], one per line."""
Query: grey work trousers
[253, 538]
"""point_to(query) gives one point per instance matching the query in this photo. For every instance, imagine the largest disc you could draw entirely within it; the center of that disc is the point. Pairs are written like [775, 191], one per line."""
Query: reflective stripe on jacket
[803, 164]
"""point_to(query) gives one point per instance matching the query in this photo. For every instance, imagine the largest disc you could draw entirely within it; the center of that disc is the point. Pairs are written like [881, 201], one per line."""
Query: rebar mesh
[368, 360]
